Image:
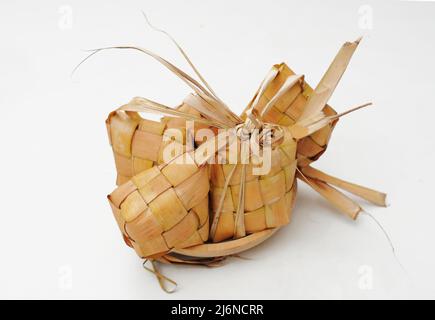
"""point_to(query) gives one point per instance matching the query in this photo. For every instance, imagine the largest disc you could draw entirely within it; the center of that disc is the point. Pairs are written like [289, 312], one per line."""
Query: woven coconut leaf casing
[163, 208]
[138, 143]
[197, 212]
[288, 109]
[268, 198]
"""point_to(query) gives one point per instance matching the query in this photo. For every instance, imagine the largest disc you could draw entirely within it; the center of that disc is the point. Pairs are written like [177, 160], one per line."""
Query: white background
[58, 238]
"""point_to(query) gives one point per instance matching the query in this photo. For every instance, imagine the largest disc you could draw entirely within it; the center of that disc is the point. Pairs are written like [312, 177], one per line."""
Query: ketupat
[163, 211]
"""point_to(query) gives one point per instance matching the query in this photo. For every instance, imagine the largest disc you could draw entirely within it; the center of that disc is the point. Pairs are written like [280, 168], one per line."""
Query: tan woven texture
[199, 212]
[164, 207]
[288, 109]
[269, 198]
[138, 143]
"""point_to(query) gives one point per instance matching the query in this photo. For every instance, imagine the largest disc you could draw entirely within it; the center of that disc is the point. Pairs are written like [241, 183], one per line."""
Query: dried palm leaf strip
[373, 196]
